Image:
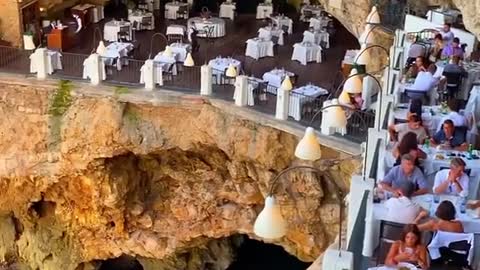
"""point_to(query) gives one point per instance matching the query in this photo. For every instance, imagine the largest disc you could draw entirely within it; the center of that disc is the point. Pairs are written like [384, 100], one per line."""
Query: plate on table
[406, 266]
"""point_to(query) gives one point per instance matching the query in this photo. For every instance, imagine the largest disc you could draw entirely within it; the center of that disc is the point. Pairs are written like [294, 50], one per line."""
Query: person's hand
[452, 177]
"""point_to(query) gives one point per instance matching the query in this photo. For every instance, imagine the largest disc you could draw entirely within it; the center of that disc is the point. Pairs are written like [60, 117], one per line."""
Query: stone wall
[10, 27]
[117, 176]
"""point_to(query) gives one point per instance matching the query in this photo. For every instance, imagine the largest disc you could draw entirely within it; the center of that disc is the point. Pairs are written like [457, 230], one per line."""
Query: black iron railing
[304, 108]
[187, 79]
[356, 130]
[263, 95]
[123, 71]
[72, 66]
[14, 60]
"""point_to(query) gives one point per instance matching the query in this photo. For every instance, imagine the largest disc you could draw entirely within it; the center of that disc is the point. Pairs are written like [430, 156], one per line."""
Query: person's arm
[388, 188]
[441, 183]
[394, 255]
[421, 154]
[427, 226]
[423, 214]
[462, 147]
[420, 191]
[422, 257]
[434, 141]
[393, 132]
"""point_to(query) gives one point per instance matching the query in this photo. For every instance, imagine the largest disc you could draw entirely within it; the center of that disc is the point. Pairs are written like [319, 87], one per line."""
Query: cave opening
[123, 262]
[256, 255]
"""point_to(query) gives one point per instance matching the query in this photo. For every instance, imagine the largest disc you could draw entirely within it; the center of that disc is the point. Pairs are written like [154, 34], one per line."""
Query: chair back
[389, 233]
[275, 39]
[454, 79]
[135, 25]
[454, 248]
[124, 29]
[285, 29]
[466, 171]
[146, 20]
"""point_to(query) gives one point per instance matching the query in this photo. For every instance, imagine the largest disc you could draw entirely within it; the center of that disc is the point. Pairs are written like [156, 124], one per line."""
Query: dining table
[301, 97]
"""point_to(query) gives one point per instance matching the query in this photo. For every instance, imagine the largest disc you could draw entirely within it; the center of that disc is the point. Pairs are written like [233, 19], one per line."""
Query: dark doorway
[256, 255]
[123, 262]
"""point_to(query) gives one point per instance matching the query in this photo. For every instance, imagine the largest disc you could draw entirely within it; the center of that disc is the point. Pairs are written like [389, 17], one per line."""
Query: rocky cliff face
[111, 177]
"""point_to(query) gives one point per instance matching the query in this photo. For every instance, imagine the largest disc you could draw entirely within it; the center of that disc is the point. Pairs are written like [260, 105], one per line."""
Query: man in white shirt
[402, 209]
[447, 35]
[425, 81]
[452, 181]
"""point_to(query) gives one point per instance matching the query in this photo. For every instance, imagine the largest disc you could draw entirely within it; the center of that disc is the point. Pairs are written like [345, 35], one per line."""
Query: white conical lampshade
[287, 83]
[28, 42]
[231, 71]
[270, 223]
[373, 17]
[353, 84]
[344, 98]
[308, 147]
[189, 61]
[101, 49]
[336, 115]
[363, 57]
[168, 51]
[366, 37]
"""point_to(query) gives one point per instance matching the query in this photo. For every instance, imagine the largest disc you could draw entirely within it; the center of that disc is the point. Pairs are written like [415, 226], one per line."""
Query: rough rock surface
[111, 178]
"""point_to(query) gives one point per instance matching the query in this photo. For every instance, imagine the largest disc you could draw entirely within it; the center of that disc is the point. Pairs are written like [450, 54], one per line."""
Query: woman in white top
[453, 181]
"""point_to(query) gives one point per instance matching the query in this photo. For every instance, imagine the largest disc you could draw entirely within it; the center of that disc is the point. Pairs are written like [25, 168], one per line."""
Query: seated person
[452, 181]
[454, 67]
[408, 145]
[414, 125]
[416, 50]
[453, 49]
[409, 249]
[436, 50]
[445, 221]
[450, 137]
[405, 172]
[402, 209]
[425, 81]
[416, 68]
[457, 119]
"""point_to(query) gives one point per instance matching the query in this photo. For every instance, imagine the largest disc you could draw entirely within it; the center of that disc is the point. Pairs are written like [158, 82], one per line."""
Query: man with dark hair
[401, 209]
[446, 33]
[405, 172]
[453, 49]
[452, 181]
[450, 137]
[458, 119]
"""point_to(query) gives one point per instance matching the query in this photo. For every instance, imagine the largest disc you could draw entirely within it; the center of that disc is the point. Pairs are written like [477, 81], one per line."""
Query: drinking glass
[436, 198]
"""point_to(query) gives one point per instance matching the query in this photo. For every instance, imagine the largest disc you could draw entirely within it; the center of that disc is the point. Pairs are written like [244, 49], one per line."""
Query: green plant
[61, 99]
[119, 90]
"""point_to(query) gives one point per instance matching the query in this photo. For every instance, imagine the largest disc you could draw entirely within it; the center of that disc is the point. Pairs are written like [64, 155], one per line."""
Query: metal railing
[72, 66]
[123, 71]
[14, 60]
[126, 71]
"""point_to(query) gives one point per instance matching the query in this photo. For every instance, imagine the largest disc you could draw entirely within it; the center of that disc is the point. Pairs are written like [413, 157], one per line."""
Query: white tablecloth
[275, 77]
[169, 60]
[175, 29]
[300, 96]
[307, 52]
[158, 75]
[318, 23]
[350, 56]
[258, 48]
[137, 17]
[171, 9]
[117, 50]
[54, 62]
[442, 16]
[317, 37]
[314, 9]
[227, 10]
[89, 66]
[111, 29]
[201, 24]
[180, 50]
[264, 11]
[470, 224]
[281, 21]
[401, 87]
[220, 64]
[268, 32]
[252, 85]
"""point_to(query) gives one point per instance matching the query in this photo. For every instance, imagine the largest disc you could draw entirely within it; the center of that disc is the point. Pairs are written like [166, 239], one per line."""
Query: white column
[283, 97]
[96, 69]
[383, 112]
[149, 75]
[41, 63]
[206, 80]
[241, 88]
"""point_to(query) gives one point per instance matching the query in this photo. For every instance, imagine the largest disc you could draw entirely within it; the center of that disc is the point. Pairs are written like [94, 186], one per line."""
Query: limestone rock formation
[112, 178]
